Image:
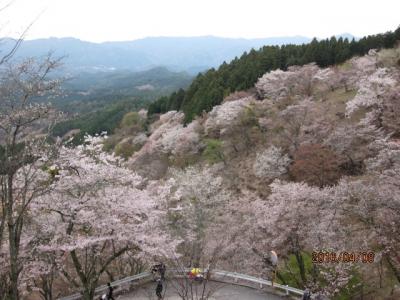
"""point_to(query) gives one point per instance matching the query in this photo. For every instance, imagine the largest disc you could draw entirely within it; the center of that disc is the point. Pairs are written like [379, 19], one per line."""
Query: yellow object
[195, 271]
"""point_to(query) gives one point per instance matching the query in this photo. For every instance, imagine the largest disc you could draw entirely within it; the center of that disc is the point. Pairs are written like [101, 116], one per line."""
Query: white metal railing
[237, 276]
[178, 273]
[116, 283]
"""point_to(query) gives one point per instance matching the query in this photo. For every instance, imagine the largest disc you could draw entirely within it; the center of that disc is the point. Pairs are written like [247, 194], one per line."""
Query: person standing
[110, 292]
[159, 289]
[307, 295]
[162, 270]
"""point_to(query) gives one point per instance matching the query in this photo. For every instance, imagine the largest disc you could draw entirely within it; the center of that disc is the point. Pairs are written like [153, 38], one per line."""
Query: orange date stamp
[320, 257]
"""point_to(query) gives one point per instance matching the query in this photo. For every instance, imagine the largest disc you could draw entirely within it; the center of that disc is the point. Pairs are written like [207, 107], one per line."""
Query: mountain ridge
[191, 54]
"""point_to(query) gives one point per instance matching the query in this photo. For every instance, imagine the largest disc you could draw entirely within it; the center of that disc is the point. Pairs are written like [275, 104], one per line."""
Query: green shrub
[124, 150]
[291, 272]
[248, 118]
[110, 143]
[291, 275]
[130, 119]
[213, 152]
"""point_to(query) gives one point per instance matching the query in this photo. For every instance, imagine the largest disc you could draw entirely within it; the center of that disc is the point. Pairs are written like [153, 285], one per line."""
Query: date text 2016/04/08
[343, 257]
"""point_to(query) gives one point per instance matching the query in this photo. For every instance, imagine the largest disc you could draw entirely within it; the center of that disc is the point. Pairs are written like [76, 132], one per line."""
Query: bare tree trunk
[47, 287]
[3, 194]
[13, 241]
[393, 268]
[89, 275]
[300, 263]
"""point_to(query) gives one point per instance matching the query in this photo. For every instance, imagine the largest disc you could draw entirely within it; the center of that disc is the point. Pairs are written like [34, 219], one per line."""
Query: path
[227, 285]
[223, 292]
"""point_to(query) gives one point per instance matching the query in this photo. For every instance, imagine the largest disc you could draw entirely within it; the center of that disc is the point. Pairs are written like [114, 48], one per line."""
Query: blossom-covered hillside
[307, 162]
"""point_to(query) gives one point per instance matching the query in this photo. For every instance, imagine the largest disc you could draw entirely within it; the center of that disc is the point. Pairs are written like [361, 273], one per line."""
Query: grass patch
[213, 153]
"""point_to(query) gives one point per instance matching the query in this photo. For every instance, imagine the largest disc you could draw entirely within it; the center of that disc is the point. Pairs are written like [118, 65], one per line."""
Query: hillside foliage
[209, 88]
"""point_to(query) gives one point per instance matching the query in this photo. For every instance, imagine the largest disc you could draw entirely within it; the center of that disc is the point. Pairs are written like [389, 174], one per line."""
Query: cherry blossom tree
[180, 140]
[304, 79]
[391, 111]
[379, 200]
[354, 215]
[374, 208]
[327, 79]
[41, 269]
[297, 219]
[288, 218]
[365, 213]
[210, 218]
[271, 163]
[365, 65]
[96, 212]
[224, 118]
[275, 85]
[351, 142]
[168, 139]
[191, 288]
[371, 90]
[296, 82]
[294, 121]
[23, 151]
[194, 203]
[235, 123]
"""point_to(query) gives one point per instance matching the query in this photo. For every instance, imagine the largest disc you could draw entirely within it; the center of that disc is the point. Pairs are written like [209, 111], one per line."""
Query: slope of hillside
[209, 88]
[96, 102]
[311, 156]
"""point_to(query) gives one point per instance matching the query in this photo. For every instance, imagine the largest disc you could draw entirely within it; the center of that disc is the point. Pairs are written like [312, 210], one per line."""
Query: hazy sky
[111, 20]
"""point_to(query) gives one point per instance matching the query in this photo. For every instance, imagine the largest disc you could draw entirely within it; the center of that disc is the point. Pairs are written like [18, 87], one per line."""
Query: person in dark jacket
[154, 269]
[159, 269]
[162, 270]
[110, 292]
[159, 289]
[307, 295]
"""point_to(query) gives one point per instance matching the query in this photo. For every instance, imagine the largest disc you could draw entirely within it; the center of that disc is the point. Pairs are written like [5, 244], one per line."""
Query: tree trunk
[14, 266]
[393, 268]
[13, 242]
[47, 286]
[88, 294]
[300, 263]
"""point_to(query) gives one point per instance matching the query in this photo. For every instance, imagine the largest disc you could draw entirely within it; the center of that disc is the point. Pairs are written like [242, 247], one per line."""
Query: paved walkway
[223, 291]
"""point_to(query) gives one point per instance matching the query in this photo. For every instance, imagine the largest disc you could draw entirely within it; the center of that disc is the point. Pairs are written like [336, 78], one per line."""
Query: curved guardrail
[117, 283]
[217, 275]
[262, 282]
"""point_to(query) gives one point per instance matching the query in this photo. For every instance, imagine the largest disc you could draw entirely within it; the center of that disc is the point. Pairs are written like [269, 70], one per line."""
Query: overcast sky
[112, 20]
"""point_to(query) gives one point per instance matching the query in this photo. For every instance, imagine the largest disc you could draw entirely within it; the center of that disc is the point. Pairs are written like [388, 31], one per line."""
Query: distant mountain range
[190, 54]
